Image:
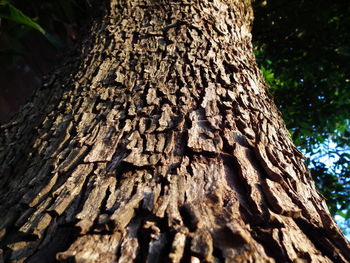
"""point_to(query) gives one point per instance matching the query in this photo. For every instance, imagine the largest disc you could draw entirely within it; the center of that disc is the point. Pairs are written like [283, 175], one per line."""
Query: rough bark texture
[160, 143]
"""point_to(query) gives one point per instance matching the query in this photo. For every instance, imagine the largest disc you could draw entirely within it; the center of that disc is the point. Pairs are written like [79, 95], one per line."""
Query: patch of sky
[328, 153]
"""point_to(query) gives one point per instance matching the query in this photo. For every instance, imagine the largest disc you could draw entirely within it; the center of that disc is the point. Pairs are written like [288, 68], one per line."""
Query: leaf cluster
[303, 49]
[56, 20]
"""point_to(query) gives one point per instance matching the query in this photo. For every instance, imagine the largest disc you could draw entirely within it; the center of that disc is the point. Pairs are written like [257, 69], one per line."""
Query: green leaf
[8, 11]
[347, 214]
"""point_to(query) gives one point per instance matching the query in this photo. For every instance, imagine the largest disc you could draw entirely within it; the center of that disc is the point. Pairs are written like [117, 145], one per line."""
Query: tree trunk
[158, 142]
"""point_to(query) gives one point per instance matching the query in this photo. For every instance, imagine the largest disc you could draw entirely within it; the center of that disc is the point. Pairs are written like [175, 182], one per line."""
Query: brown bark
[160, 143]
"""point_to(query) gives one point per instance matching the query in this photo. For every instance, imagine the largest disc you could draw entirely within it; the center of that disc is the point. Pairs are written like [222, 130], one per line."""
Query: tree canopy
[303, 50]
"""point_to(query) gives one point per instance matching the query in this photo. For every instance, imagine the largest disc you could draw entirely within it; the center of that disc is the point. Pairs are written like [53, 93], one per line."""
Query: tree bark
[158, 142]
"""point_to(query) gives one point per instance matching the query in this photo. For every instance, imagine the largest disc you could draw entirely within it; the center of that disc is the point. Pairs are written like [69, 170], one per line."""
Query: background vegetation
[303, 50]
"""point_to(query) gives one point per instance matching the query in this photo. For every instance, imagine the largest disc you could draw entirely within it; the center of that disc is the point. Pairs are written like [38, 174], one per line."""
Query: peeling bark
[158, 142]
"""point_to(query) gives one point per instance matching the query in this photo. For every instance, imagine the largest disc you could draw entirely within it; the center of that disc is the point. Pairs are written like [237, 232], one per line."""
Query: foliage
[8, 11]
[57, 20]
[303, 50]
